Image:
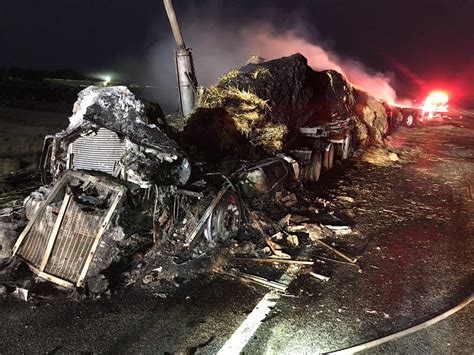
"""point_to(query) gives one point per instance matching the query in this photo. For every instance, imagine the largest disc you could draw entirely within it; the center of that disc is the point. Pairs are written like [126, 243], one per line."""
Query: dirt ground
[412, 221]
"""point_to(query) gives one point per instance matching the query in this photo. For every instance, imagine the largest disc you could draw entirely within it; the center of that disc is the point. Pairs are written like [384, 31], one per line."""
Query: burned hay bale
[228, 116]
[397, 116]
[296, 94]
[259, 107]
[372, 124]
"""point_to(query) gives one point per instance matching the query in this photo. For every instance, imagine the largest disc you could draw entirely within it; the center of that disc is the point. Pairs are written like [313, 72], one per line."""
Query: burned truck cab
[115, 183]
[109, 133]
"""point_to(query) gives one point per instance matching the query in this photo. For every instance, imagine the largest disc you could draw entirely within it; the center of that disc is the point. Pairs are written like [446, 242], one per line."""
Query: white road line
[249, 326]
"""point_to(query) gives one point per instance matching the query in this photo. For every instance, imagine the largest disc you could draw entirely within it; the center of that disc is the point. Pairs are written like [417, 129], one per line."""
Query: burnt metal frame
[191, 239]
[47, 150]
[68, 175]
[271, 161]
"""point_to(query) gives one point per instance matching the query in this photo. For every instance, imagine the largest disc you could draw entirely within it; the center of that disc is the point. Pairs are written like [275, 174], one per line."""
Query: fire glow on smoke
[216, 52]
[269, 44]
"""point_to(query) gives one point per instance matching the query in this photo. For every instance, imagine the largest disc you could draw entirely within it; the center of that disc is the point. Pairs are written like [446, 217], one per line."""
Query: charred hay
[256, 110]
[259, 107]
[372, 123]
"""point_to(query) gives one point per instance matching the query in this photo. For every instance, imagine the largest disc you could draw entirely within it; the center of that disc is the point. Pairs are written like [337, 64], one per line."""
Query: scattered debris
[21, 294]
[379, 156]
[282, 261]
[346, 199]
[337, 252]
[289, 200]
[314, 231]
[293, 241]
[6, 211]
[323, 258]
[8, 236]
[255, 220]
[258, 280]
[320, 277]
[338, 228]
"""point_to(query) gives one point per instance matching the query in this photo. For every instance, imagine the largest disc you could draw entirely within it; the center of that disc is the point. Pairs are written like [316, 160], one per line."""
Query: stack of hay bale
[256, 110]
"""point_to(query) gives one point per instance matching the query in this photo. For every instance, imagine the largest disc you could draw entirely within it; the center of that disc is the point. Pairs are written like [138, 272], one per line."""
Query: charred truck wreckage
[155, 201]
[118, 182]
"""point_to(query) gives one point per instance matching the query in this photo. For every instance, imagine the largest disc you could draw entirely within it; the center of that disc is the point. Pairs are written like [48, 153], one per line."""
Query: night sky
[422, 44]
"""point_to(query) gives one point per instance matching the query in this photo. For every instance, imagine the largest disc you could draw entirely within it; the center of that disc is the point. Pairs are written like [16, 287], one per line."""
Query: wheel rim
[226, 219]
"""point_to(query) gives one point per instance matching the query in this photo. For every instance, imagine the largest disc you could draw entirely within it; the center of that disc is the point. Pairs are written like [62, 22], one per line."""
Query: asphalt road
[413, 233]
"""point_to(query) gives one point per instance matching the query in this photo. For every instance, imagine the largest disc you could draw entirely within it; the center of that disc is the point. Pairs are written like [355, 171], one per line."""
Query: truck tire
[226, 218]
[328, 160]
[409, 120]
[347, 148]
[315, 166]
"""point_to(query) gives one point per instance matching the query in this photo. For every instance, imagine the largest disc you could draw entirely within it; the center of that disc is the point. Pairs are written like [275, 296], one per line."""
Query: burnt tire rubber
[306, 174]
[347, 148]
[315, 166]
[338, 150]
[226, 218]
[409, 120]
[328, 161]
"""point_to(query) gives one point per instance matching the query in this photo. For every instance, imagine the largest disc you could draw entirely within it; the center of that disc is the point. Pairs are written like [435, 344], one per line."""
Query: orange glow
[437, 101]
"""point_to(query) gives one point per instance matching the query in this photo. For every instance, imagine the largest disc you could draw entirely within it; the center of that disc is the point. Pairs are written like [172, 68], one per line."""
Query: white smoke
[219, 47]
[270, 44]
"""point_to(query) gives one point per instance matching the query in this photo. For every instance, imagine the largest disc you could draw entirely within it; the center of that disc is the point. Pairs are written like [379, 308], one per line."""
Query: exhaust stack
[186, 77]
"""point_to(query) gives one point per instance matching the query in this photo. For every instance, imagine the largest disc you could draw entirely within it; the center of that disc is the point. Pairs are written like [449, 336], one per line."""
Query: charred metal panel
[73, 243]
[60, 241]
[98, 152]
[33, 247]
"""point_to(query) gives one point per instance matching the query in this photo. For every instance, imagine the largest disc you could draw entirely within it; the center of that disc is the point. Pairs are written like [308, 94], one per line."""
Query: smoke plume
[219, 46]
[269, 44]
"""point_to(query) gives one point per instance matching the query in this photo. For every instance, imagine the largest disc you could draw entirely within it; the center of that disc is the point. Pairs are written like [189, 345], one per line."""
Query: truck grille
[60, 241]
[99, 152]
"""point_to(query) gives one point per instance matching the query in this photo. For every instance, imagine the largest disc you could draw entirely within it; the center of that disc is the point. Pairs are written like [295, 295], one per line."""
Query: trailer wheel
[226, 218]
[347, 148]
[328, 160]
[315, 167]
[409, 120]
[306, 173]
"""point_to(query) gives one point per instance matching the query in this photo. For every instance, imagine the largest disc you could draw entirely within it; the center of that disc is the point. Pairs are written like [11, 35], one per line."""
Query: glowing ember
[437, 101]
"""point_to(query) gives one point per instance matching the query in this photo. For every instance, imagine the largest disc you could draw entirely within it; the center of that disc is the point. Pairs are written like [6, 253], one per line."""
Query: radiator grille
[73, 243]
[99, 152]
[60, 240]
[34, 245]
